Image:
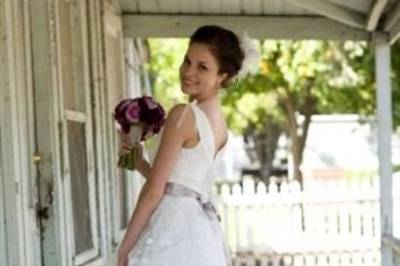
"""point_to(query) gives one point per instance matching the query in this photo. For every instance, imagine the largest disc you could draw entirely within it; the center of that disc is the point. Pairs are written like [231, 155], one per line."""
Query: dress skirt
[180, 233]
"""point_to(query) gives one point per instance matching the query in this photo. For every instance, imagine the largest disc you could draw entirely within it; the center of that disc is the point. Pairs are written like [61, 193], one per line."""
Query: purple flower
[151, 104]
[121, 107]
[133, 112]
[120, 116]
[143, 110]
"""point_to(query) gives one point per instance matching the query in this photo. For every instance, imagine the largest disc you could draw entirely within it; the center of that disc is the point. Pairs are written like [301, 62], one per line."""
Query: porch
[65, 64]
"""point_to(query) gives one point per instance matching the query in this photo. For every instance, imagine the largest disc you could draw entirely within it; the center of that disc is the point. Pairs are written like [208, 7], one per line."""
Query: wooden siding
[19, 196]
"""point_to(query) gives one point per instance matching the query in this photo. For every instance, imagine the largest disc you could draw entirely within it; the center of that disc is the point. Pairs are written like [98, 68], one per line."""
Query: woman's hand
[127, 146]
[141, 164]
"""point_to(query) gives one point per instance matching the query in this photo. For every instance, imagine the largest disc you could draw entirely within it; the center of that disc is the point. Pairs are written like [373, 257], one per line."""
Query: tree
[298, 79]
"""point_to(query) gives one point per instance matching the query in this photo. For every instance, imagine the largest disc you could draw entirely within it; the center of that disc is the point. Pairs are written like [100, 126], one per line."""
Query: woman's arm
[171, 143]
[142, 165]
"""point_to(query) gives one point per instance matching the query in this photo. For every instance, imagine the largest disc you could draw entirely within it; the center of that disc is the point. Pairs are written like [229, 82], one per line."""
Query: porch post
[384, 117]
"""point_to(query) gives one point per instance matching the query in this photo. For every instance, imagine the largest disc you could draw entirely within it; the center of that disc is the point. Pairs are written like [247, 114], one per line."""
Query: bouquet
[139, 118]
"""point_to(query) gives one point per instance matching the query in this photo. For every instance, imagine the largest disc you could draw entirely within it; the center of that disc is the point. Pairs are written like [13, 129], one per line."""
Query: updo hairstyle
[225, 47]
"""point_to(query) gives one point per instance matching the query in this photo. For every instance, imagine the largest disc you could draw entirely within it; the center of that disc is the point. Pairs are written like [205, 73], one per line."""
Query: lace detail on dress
[179, 234]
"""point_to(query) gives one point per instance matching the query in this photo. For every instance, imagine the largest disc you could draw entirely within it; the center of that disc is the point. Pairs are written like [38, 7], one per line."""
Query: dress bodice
[195, 167]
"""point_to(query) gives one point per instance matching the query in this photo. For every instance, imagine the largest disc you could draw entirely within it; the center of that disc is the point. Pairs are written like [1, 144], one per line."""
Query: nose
[188, 71]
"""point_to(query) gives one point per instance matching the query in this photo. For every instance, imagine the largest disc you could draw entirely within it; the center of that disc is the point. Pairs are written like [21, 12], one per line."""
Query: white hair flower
[251, 56]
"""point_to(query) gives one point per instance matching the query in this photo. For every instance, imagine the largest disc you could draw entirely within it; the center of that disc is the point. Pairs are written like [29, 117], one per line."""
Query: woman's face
[199, 71]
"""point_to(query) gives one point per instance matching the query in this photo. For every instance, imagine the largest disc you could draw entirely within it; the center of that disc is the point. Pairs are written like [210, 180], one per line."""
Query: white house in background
[338, 146]
[341, 145]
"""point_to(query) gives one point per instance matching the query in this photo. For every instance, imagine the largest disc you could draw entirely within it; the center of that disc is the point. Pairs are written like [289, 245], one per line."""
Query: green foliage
[396, 84]
[166, 58]
[335, 77]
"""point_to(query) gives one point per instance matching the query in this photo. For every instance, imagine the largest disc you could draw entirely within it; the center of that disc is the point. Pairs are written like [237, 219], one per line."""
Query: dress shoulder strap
[205, 132]
[200, 126]
[184, 113]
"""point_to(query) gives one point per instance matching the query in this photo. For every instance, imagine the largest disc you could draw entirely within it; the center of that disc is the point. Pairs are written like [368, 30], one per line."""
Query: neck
[206, 99]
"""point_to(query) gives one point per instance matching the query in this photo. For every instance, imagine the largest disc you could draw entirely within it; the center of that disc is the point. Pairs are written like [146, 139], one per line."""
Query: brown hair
[224, 45]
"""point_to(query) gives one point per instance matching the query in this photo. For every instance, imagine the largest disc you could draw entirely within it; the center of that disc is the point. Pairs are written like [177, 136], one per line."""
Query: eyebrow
[202, 62]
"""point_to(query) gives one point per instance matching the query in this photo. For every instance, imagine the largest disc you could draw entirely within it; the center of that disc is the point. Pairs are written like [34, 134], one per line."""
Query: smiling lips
[189, 83]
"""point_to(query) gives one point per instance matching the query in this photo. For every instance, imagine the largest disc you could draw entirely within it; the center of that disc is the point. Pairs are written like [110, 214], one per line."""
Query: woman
[174, 222]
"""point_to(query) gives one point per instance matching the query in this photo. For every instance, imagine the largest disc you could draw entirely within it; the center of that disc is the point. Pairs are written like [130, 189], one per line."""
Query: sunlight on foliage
[166, 58]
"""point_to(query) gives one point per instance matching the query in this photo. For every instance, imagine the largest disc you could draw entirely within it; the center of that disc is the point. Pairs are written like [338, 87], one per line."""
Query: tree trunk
[295, 140]
[261, 147]
[298, 132]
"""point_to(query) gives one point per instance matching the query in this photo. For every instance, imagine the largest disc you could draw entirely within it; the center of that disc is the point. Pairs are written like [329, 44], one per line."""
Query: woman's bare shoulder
[181, 115]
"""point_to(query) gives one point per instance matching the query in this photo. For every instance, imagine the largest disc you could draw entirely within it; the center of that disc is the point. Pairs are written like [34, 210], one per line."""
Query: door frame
[18, 195]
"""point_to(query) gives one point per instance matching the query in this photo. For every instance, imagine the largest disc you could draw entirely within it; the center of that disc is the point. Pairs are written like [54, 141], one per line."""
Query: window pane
[72, 55]
[79, 186]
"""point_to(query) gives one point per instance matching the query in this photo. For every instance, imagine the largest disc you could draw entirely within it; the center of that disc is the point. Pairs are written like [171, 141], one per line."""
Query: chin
[187, 90]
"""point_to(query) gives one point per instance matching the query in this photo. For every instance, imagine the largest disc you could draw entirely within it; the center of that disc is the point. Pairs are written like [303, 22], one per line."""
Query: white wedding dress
[184, 229]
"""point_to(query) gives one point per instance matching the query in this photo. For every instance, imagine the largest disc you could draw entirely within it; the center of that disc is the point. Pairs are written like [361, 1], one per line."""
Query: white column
[384, 115]
[3, 234]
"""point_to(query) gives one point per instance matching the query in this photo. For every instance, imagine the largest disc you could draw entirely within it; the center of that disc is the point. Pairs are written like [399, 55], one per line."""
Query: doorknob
[37, 158]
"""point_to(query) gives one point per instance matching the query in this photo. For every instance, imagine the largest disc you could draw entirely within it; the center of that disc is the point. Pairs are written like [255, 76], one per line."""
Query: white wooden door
[19, 230]
[76, 133]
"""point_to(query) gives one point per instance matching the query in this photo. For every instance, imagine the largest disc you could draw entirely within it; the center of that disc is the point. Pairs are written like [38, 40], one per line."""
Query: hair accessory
[251, 56]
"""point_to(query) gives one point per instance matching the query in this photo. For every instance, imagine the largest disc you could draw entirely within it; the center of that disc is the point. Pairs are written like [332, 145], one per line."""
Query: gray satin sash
[179, 190]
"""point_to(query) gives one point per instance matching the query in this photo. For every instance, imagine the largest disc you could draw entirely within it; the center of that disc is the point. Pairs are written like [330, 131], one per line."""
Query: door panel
[19, 237]
[77, 131]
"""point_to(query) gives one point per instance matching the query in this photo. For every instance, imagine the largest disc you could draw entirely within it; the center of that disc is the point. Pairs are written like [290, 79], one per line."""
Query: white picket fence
[328, 223]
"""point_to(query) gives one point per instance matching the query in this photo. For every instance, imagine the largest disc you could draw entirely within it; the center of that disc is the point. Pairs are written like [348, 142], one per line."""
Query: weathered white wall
[29, 123]
[19, 226]
[3, 237]
[30, 114]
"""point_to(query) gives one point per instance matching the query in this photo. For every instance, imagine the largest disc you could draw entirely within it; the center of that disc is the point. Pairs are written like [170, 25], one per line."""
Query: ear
[222, 77]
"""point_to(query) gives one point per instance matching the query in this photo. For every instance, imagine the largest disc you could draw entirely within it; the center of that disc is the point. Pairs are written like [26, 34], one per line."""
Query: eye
[186, 61]
[203, 67]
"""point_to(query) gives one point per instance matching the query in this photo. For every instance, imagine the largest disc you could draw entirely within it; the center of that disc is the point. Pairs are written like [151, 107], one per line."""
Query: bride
[174, 222]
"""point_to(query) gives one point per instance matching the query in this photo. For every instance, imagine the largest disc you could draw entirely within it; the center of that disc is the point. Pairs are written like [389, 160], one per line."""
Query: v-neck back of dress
[195, 166]
[215, 152]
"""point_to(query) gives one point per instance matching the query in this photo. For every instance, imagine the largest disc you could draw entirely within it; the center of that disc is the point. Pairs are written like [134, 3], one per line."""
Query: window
[79, 190]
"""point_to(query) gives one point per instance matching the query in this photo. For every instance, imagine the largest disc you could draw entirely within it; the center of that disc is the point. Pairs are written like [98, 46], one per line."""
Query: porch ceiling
[275, 19]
